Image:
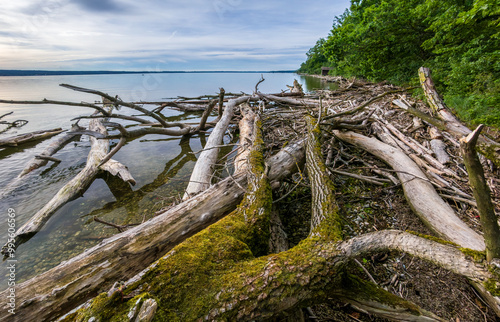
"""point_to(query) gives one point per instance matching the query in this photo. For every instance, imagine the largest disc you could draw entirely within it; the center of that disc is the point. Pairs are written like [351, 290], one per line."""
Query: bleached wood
[420, 194]
[124, 255]
[202, 172]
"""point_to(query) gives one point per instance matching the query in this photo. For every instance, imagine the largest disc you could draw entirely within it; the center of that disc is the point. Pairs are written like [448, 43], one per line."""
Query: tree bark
[482, 194]
[325, 221]
[126, 254]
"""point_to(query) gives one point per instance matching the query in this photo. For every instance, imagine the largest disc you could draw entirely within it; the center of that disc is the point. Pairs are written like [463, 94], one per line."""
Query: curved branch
[420, 194]
[117, 102]
[46, 101]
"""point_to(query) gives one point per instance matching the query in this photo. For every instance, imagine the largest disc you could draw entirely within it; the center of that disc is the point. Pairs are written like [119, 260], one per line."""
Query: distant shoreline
[100, 72]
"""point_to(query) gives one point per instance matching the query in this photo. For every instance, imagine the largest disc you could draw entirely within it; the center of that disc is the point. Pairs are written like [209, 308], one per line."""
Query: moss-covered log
[126, 254]
[325, 221]
[218, 275]
[215, 276]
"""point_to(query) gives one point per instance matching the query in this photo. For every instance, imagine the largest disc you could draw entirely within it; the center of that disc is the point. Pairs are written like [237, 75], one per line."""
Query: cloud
[132, 35]
[101, 5]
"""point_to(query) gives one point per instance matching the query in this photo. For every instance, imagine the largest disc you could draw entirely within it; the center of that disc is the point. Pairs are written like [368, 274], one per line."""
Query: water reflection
[314, 83]
[160, 164]
[126, 197]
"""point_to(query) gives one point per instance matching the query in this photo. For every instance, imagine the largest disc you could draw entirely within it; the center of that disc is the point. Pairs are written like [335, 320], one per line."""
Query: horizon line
[41, 72]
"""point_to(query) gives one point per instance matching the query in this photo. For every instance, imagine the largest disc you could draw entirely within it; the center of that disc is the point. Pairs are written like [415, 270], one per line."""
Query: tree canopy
[389, 40]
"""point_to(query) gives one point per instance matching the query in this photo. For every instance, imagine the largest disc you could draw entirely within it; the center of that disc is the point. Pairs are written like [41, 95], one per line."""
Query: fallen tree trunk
[50, 150]
[73, 189]
[126, 254]
[29, 137]
[40, 160]
[486, 146]
[482, 194]
[419, 192]
[202, 287]
[217, 274]
[202, 172]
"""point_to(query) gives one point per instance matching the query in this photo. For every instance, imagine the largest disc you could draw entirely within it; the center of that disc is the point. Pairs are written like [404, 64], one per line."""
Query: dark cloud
[101, 5]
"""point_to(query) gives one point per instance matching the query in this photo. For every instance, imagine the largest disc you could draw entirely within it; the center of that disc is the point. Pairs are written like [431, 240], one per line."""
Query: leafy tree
[315, 59]
[390, 39]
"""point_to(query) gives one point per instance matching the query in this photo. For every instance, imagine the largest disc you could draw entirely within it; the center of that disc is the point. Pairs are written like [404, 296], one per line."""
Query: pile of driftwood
[242, 267]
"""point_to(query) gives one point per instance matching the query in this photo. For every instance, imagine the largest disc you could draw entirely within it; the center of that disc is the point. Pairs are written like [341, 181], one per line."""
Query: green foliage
[390, 39]
[315, 59]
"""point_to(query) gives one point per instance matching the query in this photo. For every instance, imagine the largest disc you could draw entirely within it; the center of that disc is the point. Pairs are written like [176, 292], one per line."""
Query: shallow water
[161, 165]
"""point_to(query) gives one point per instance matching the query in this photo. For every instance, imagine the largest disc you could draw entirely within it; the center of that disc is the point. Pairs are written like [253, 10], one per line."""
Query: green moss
[476, 255]
[331, 225]
[433, 238]
[185, 282]
[491, 152]
[362, 289]
[492, 286]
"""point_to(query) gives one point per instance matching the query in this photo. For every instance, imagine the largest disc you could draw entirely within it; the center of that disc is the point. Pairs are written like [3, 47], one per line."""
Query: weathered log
[236, 286]
[439, 149]
[202, 172]
[482, 194]
[419, 193]
[73, 189]
[486, 146]
[50, 150]
[29, 137]
[324, 211]
[436, 102]
[126, 254]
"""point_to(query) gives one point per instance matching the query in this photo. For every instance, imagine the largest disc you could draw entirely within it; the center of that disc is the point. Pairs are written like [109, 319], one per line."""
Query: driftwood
[126, 254]
[40, 160]
[50, 150]
[482, 194]
[73, 189]
[202, 172]
[486, 146]
[228, 272]
[422, 197]
[29, 137]
[9, 125]
[268, 285]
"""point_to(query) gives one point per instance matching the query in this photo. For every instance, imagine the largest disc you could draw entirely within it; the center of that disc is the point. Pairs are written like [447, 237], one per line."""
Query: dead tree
[216, 259]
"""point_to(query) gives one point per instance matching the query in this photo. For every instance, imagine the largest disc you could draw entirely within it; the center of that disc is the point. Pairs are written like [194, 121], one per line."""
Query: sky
[156, 35]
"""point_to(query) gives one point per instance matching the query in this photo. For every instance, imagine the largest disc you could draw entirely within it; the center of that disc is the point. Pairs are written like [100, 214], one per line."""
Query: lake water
[161, 165]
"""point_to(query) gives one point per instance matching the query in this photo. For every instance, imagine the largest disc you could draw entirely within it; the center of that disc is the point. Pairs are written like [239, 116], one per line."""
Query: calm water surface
[161, 165]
